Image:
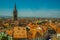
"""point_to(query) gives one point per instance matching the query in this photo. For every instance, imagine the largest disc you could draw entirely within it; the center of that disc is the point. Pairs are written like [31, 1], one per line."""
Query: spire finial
[15, 12]
[15, 6]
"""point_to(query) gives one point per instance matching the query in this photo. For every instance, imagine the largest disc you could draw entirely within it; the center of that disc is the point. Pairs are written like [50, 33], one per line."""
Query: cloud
[6, 12]
[39, 13]
[32, 13]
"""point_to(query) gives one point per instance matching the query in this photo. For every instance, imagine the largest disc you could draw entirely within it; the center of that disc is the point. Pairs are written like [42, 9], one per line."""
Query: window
[23, 29]
[18, 28]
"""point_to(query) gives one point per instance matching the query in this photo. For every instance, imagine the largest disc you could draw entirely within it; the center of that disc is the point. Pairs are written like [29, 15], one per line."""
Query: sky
[31, 8]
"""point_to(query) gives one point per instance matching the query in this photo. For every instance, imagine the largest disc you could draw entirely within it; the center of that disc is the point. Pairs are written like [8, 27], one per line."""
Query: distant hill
[26, 17]
[5, 16]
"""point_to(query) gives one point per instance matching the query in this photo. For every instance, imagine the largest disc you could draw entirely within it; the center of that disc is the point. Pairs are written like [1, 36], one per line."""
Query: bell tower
[15, 13]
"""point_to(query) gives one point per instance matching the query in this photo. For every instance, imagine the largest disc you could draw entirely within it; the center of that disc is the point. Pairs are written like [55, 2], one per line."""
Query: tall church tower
[15, 13]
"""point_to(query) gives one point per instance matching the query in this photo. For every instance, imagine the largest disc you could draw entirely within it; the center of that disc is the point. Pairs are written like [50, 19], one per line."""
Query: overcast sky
[31, 8]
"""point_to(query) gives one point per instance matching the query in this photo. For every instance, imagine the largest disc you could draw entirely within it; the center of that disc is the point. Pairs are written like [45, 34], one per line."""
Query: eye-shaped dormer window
[18, 28]
[23, 28]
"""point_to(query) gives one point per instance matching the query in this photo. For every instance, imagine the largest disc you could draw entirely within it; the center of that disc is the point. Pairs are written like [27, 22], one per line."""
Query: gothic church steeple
[15, 12]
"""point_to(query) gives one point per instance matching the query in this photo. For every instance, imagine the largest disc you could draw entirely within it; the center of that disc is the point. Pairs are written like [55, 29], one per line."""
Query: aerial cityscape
[29, 20]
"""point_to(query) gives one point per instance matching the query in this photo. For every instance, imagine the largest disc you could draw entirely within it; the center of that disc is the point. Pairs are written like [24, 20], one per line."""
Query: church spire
[15, 6]
[15, 12]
